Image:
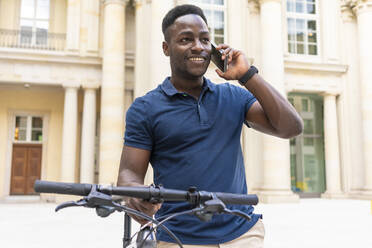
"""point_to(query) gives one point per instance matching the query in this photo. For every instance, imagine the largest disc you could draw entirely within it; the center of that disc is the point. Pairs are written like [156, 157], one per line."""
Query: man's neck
[191, 86]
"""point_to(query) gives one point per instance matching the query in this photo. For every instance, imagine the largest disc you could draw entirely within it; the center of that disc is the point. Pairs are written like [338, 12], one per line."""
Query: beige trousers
[254, 238]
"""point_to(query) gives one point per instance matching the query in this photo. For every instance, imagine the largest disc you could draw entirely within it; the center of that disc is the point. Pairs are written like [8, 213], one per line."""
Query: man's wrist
[248, 75]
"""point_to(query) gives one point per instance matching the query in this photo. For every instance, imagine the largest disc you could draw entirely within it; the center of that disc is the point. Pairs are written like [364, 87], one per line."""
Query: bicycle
[205, 205]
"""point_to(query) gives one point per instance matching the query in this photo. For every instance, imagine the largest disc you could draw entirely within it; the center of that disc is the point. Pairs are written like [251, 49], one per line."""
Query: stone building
[69, 69]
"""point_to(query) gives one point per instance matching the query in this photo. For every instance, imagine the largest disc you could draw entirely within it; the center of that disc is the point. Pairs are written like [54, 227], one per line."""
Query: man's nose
[197, 46]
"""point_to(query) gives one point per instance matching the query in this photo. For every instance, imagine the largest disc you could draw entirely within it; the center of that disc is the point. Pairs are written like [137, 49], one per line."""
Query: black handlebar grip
[81, 189]
[240, 199]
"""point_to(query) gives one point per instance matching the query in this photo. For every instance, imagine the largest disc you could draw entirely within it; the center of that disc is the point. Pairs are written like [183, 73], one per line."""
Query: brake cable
[161, 223]
[204, 212]
[96, 199]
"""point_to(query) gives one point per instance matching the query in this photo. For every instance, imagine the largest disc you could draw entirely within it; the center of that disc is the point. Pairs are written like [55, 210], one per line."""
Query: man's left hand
[238, 63]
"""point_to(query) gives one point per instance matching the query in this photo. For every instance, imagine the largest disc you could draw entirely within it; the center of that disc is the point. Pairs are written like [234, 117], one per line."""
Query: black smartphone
[216, 57]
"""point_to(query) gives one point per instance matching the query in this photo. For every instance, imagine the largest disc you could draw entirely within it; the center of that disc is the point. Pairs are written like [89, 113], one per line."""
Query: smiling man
[189, 129]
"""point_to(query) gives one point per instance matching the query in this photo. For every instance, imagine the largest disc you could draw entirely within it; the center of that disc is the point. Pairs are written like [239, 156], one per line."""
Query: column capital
[347, 12]
[90, 85]
[254, 7]
[74, 85]
[121, 2]
[139, 3]
[330, 93]
[331, 148]
[266, 1]
[90, 88]
[359, 6]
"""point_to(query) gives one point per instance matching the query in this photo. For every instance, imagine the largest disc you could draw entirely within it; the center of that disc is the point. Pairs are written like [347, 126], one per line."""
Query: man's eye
[185, 39]
[206, 40]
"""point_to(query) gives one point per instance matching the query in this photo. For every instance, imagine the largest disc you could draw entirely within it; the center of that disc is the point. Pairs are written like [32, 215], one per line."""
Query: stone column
[69, 134]
[88, 136]
[159, 67]
[253, 39]
[331, 147]
[252, 141]
[112, 90]
[237, 22]
[73, 26]
[276, 162]
[330, 16]
[89, 27]
[143, 54]
[352, 156]
[151, 65]
[143, 48]
[363, 9]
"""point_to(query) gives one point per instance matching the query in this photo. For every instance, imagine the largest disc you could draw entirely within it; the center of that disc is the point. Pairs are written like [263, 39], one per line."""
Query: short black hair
[178, 11]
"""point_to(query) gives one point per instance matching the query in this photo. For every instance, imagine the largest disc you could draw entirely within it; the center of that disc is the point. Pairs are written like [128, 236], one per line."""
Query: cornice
[9, 54]
[47, 56]
[311, 67]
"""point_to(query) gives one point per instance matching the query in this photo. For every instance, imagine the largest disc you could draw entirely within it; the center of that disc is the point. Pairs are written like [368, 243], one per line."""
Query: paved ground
[311, 223]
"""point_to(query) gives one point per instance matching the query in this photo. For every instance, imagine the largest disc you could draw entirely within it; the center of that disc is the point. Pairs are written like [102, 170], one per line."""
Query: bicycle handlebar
[146, 192]
[82, 189]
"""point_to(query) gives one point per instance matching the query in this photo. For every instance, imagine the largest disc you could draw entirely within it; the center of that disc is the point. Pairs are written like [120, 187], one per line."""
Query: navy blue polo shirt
[194, 143]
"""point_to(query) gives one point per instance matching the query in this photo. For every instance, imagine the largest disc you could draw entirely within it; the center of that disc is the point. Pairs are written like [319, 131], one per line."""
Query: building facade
[69, 69]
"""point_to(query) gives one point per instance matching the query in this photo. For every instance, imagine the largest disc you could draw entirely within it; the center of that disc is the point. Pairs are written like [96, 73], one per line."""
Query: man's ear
[165, 48]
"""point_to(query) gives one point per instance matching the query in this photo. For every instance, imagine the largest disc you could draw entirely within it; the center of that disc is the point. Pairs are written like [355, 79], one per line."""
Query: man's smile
[197, 58]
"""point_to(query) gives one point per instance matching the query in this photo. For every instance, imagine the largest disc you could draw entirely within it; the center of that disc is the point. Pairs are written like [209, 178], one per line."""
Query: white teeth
[196, 59]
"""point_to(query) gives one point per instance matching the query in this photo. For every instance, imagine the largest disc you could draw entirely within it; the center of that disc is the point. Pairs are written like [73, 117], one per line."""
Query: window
[214, 11]
[302, 27]
[28, 129]
[34, 22]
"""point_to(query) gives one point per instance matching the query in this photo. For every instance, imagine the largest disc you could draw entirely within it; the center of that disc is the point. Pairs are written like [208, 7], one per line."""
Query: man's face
[188, 46]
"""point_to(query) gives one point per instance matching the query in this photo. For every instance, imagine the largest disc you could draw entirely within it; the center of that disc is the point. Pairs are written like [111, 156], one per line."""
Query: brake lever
[79, 203]
[103, 203]
[209, 208]
[216, 206]
[237, 213]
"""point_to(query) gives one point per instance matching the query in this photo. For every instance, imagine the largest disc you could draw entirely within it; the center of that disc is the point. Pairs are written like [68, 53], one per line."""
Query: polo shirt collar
[170, 90]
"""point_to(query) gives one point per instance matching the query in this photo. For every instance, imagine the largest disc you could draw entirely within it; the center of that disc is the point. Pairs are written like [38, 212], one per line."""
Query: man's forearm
[133, 166]
[128, 178]
[282, 116]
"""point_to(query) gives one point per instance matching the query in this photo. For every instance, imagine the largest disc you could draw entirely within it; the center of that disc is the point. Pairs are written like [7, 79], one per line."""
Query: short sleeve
[247, 99]
[138, 129]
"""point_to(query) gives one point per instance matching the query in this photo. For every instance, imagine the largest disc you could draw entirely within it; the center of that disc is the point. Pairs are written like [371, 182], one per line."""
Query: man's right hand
[143, 206]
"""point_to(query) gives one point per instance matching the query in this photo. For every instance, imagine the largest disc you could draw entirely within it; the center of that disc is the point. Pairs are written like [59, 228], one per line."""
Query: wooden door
[26, 168]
